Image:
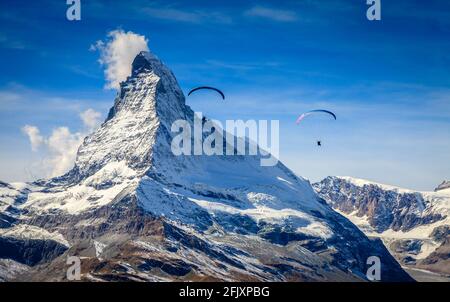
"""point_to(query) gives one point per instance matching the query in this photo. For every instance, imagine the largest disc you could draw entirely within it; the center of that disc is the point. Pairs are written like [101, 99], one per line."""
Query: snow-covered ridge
[12, 193]
[95, 191]
[444, 192]
[364, 182]
[439, 200]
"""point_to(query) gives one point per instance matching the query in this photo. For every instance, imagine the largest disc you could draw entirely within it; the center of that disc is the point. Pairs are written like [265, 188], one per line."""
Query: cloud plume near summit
[117, 52]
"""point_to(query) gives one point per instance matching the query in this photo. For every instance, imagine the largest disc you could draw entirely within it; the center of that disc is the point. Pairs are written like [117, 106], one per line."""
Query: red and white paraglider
[304, 115]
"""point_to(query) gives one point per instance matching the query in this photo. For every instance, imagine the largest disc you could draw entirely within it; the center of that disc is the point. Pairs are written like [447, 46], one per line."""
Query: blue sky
[388, 81]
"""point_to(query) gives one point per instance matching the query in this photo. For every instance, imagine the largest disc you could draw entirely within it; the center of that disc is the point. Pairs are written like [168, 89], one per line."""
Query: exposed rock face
[30, 251]
[413, 225]
[134, 211]
[440, 233]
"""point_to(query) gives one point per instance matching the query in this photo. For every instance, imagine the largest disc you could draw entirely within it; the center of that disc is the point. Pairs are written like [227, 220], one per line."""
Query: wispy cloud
[34, 135]
[7, 42]
[272, 14]
[241, 66]
[16, 98]
[188, 16]
[83, 72]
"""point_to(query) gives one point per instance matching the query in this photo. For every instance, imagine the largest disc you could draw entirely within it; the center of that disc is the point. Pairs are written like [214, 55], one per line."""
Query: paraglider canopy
[209, 88]
[301, 117]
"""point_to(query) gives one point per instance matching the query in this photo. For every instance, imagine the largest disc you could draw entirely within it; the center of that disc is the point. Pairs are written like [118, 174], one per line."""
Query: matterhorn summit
[132, 210]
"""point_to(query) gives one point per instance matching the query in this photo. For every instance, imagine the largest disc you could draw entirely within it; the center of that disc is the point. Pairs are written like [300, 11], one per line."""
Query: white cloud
[60, 148]
[34, 135]
[117, 53]
[273, 14]
[90, 118]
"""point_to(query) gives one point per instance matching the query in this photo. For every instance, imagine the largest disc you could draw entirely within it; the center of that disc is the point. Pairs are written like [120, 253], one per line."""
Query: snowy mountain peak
[149, 101]
[145, 60]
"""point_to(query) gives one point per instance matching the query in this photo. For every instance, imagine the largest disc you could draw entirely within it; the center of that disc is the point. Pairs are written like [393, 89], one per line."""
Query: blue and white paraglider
[301, 117]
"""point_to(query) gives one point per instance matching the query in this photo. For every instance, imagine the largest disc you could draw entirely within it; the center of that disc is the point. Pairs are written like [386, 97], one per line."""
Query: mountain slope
[415, 226]
[134, 211]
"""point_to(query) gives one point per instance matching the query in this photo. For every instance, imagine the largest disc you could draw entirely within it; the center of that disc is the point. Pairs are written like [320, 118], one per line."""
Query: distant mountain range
[415, 226]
